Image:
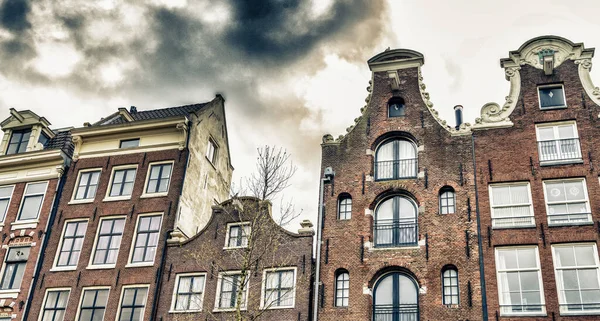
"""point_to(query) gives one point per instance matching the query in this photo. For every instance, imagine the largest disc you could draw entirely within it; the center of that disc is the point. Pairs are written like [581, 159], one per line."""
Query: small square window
[279, 288]
[552, 96]
[129, 143]
[189, 292]
[133, 303]
[122, 182]
[93, 304]
[87, 185]
[159, 178]
[211, 151]
[237, 235]
[228, 290]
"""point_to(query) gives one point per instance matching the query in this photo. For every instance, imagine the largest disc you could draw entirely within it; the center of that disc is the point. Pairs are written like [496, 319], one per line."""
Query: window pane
[551, 97]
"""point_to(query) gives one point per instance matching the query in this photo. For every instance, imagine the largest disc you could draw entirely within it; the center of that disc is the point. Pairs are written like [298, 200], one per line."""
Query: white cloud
[56, 59]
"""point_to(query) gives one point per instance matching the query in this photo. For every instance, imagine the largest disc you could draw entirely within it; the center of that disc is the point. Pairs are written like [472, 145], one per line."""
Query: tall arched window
[342, 288]
[447, 200]
[344, 207]
[396, 158]
[396, 222]
[396, 298]
[396, 107]
[450, 285]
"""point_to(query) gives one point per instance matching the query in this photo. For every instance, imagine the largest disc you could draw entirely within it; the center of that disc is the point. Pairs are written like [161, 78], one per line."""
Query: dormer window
[43, 139]
[18, 141]
[396, 107]
[552, 96]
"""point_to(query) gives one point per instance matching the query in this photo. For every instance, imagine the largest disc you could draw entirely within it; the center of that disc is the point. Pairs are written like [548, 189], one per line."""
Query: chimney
[458, 109]
[132, 110]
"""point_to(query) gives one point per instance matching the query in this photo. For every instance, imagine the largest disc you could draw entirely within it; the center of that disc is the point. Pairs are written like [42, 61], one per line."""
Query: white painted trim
[145, 193]
[107, 197]
[135, 236]
[92, 288]
[551, 86]
[229, 226]
[10, 199]
[585, 193]
[174, 295]
[41, 316]
[490, 186]
[78, 183]
[264, 285]
[218, 292]
[60, 244]
[91, 265]
[8, 248]
[133, 286]
[23, 198]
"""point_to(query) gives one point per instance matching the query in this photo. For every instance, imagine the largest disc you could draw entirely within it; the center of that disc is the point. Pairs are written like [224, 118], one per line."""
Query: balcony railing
[402, 312]
[572, 218]
[396, 169]
[395, 233]
[560, 150]
[522, 309]
[513, 221]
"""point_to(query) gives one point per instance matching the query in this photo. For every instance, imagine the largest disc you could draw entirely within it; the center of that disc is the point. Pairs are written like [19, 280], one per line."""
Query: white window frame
[134, 239]
[213, 143]
[229, 226]
[130, 286]
[77, 182]
[218, 292]
[490, 193]
[91, 264]
[348, 214]
[145, 193]
[561, 301]
[107, 197]
[41, 316]
[10, 199]
[540, 281]
[92, 288]
[55, 266]
[587, 201]
[13, 293]
[551, 86]
[555, 125]
[174, 296]
[37, 219]
[264, 287]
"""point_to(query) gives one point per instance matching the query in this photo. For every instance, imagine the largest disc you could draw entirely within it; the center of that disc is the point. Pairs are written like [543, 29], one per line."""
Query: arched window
[396, 107]
[342, 288]
[450, 285]
[344, 207]
[396, 222]
[447, 200]
[396, 298]
[396, 158]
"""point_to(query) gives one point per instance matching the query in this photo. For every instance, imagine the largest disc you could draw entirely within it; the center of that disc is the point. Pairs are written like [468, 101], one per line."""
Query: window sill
[100, 267]
[227, 309]
[561, 162]
[277, 308]
[235, 247]
[570, 224]
[395, 248]
[537, 314]
[117, 198]
[19, 225]
[136, 265]
[151, 195]
[552, 108]
[84, 201]
[62, 269]
[186, 311]
[513, 227]
[9, 294]
[579, 313]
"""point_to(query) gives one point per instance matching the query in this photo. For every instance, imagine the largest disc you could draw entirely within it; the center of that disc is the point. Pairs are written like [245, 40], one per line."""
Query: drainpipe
[479, 240]
[328, 176]
[42, 254]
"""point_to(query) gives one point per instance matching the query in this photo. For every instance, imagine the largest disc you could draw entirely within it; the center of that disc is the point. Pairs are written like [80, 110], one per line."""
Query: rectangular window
[108, 241]
[279, 289]
[55, 305]
[567, 202]
[122, 182]
[160, 176]
[211, 151]
[32, 201]
[5, 196]
[189, 293]
[71, 244]
[520, 281]
[43, 139]
[133, 303]
[146, 238]
[18, 141]
[93, 305]
[229, 289]
[511, 205]
[558, 143]
[576, 267]
[87, 185]
[129, 143]
[552, 96]
[237, 235]
[14, 266]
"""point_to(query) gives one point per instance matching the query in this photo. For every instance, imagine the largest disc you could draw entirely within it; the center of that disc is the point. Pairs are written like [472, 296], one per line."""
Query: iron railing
[528, 308]
[571, 218]
[559, 150]
[401, 312]
[396, 169]
[395, 233]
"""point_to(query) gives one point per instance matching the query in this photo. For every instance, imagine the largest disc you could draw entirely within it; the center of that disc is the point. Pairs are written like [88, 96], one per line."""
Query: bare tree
[274, 169]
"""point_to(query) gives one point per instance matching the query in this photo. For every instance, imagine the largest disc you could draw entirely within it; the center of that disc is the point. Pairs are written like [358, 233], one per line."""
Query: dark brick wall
[509, 152]
[120, 275]
[442, 158]
[204, 253]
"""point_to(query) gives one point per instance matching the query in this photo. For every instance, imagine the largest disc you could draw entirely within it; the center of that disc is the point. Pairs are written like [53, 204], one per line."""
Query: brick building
[32, 162]
[399, 237]
[126, 189]
[537, 167]
[241, 245]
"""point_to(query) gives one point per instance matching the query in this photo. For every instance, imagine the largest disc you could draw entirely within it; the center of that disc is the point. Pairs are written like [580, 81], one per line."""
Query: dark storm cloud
[13, 15]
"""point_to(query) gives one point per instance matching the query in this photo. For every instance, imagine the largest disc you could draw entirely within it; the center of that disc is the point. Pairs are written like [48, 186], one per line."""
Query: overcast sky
[290, 70]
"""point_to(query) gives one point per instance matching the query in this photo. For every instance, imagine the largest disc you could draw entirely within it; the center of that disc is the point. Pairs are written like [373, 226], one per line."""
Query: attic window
[129, 143]
[18, 141]
[43, 139]
[396, 107]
